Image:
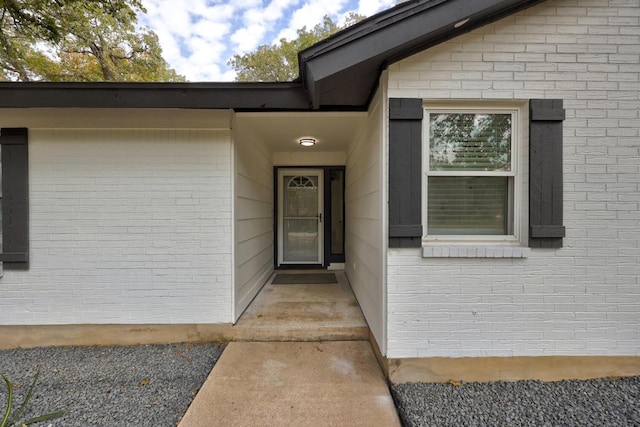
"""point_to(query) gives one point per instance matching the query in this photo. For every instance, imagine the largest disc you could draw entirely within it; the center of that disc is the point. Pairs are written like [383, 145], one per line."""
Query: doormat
[305, 279]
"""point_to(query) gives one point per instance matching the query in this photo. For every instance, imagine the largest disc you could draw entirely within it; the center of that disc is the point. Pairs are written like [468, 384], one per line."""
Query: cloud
[248, 38]
[370, 7]
[191, 34]
[310, 14]
[257, 22]
[199, 36]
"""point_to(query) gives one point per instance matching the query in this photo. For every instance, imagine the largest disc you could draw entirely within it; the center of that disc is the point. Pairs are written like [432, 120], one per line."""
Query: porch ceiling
[280, 131]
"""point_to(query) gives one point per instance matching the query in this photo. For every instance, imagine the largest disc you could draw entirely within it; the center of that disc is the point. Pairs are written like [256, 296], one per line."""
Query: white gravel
[154, 385]
[109, 386]
[602, 402]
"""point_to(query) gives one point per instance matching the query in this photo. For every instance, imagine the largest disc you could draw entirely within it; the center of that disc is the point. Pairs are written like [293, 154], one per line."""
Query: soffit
[280, 131]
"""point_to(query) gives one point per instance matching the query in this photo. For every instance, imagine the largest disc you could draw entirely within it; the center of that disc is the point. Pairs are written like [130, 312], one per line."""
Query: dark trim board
[330, 257]
[546, 228]
[14, 253]
[405, 172]
[237, 96]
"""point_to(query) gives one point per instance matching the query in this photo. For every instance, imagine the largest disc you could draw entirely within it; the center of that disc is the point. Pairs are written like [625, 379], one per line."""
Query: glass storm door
[300, 225]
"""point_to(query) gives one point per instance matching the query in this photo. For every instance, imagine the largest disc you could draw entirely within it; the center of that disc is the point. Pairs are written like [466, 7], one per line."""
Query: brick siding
[127, 226]
[582, 299]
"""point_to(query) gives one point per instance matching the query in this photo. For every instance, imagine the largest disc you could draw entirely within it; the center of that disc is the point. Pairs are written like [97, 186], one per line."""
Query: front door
[300, 222]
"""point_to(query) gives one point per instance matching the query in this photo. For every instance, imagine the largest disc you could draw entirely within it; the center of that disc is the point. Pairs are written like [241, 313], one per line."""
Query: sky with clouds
[198, 37]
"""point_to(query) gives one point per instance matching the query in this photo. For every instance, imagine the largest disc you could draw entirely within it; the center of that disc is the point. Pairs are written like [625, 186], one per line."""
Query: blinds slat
[467, 205]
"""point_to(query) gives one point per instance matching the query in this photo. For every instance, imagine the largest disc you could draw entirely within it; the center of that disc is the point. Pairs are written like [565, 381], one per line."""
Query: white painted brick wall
[583, 299]
[127, 226]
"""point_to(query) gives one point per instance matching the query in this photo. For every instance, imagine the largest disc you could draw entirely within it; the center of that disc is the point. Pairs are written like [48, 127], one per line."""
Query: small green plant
[11, 418]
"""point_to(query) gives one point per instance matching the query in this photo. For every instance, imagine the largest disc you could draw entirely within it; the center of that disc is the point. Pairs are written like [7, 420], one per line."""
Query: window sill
[475, 251]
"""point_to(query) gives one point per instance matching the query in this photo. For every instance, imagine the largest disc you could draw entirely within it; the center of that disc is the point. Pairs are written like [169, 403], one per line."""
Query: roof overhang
[340, 73]
[236, 96]
[345, 68]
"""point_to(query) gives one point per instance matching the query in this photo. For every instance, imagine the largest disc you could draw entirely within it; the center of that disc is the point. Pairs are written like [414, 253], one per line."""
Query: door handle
[320, 217]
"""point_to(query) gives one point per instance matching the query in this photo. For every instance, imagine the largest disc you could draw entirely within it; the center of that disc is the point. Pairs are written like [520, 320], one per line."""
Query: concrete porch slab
[294, 384]
[303, 312]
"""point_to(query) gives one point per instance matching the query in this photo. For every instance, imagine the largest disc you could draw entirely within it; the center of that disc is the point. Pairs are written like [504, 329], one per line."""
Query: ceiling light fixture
[307, 142]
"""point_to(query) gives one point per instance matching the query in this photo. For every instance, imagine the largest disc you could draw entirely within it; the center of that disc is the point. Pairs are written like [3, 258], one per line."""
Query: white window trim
[483, 246]
[1, 217]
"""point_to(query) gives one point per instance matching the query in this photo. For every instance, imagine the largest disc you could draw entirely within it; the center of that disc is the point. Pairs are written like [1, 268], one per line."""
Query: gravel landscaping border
[150, 385]
[153, 385]
[601, 402]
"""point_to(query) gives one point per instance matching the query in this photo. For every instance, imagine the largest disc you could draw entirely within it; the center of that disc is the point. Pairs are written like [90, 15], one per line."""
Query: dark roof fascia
[486, 16]
[237, 96]
[355, 57]
[366, 26]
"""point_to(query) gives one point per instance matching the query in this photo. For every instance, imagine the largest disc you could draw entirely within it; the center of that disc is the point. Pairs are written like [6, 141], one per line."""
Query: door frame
[328, 256]
[319, 173]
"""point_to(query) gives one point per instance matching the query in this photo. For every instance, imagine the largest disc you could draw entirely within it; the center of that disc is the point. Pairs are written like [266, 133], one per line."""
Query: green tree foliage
[471, 142]
[279, 62]
[78, 40]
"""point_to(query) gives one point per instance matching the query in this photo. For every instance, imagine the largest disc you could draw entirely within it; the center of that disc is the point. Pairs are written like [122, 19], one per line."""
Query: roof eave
[237, 96]
[361, 52]
[341, 72]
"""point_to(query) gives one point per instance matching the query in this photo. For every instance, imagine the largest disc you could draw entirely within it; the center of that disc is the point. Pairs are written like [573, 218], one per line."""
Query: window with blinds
[470, 172]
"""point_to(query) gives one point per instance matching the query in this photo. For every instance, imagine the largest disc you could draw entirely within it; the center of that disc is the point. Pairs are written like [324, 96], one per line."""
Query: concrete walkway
[335, 383]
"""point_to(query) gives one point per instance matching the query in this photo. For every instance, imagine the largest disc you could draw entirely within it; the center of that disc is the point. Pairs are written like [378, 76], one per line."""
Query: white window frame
[1, 216]
[515, 192]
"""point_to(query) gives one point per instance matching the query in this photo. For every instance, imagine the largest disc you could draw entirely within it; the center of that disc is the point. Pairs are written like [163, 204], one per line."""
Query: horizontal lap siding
[253, 218]
[127, 226]
[364, 224]
[579, 300]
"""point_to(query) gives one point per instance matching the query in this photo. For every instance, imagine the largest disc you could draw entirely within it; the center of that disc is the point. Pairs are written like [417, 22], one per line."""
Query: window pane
[301, 240]
[301, 196]
[470, 142]
[468, 205]
[337, 212]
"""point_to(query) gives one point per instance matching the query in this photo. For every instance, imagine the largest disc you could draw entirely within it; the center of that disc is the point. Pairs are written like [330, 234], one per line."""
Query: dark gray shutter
[545, 173]
[15, 199]
[405, 172]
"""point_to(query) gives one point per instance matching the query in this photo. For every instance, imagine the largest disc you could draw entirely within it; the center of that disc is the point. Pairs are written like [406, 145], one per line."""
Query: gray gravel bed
[149, 385]
[602, 402]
